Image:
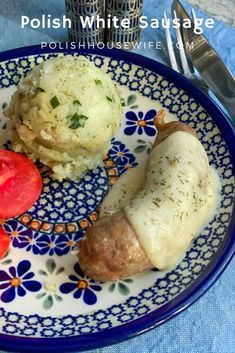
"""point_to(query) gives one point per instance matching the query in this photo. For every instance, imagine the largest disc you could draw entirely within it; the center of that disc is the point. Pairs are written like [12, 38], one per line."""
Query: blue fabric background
[209, 325]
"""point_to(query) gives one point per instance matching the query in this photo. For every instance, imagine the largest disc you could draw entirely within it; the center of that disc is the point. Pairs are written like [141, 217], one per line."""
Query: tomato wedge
[4, 242]
[20, 184]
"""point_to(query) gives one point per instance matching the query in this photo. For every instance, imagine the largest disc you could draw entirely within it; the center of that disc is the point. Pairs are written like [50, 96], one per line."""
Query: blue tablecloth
[209, 325]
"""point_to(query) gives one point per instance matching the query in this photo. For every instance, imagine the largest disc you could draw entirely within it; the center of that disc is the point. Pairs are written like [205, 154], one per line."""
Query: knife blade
[207, 62]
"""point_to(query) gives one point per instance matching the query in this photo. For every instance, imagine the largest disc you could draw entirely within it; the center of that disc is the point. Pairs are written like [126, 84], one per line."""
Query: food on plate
[4, 243]
[20, 184]
[156, 225]
[123, 190]
[64, 113]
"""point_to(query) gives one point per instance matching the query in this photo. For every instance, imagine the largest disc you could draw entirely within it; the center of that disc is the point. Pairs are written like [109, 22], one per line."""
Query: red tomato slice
[20, 184]
[4, 242]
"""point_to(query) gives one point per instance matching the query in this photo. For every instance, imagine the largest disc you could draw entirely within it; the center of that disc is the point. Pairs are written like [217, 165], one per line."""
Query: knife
[207, 62]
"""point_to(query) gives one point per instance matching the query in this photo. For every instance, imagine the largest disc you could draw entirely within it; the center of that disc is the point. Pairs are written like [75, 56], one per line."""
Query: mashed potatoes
[65, 112]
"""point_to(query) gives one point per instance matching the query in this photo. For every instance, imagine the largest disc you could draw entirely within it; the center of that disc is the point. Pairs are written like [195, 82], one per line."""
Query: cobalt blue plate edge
[195, 290]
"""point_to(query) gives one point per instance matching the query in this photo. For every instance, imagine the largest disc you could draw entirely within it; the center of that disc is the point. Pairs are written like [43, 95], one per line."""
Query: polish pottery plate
[54, 306]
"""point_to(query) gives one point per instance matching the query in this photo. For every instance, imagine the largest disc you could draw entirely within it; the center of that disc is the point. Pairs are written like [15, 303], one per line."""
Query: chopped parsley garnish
[98, 82]
[4, 105]
[77, 120]
[77, 102]
[40, 89]
[123, 104]
[54, 102]
[109, 99]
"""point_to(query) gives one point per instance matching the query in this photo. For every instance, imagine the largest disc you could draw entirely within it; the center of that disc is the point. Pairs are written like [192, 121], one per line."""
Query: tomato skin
[4, 242]
[20, 184]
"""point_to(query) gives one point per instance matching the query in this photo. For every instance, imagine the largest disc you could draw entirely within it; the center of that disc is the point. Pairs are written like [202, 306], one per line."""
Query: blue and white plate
[54, 306]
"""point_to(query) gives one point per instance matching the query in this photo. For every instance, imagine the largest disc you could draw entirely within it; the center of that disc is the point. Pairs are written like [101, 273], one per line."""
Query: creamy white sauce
[179, 197]
[125, 188]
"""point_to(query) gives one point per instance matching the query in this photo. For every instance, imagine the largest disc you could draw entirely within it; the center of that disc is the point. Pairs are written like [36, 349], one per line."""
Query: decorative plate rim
[199, 286]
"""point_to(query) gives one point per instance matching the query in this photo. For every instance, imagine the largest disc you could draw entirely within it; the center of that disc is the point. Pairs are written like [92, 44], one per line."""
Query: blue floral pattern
[122, 156]
[63, 201]
[81, 286]
[40, 243]
[140, 123]
[17, 281]
[21, 237]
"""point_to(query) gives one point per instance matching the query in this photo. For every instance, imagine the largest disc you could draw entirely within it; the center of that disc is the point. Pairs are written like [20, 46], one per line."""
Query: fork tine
[170, 47]
[183, 59]
[193, 15]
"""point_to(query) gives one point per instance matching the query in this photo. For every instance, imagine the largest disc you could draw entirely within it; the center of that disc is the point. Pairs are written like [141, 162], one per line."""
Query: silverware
[183, 67]
[207, 62]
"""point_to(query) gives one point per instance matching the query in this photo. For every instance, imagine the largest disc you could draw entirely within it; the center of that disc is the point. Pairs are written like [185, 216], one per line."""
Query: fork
[184, 66]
